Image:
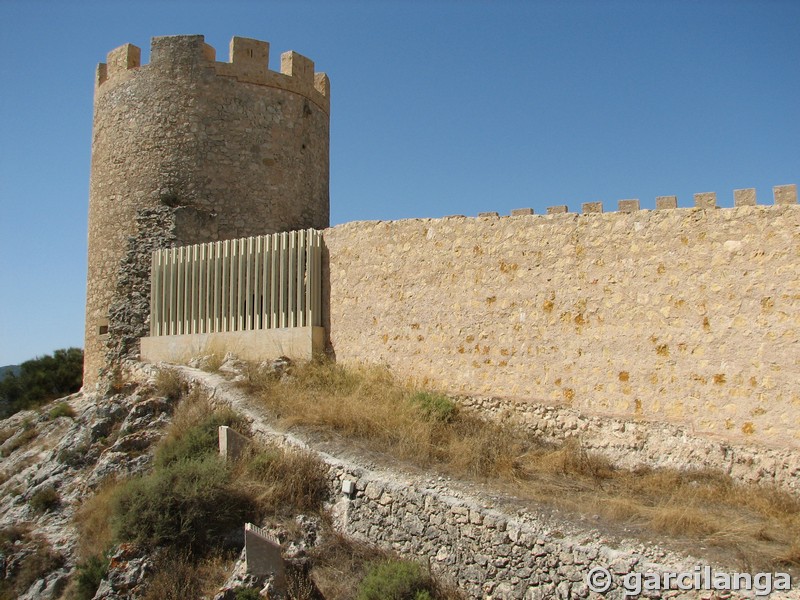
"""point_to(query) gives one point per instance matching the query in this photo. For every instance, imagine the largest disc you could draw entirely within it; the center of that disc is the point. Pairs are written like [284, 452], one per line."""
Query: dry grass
[340, 564]
[180, 576]
[757, 524]
[93, 522]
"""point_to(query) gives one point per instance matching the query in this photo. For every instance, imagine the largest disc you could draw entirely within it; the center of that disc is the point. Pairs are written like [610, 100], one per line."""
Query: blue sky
[438, 108]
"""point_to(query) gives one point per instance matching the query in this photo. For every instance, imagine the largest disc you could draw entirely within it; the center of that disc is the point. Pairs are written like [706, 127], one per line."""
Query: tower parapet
[247, 63]
[186, 150]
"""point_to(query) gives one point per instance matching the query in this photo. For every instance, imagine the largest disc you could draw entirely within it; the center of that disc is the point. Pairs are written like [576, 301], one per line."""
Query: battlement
[248, 62]
[782, 195]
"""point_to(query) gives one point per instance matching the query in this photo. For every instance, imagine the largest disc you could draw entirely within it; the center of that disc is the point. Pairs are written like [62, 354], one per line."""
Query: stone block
[628, 206]
[557, 210]
[518, 212]
[488, 214]
[263, 556]
[231, 443]
[705, 200]
[744, 197]
[785, 194]
[666, 202]
[592, 207]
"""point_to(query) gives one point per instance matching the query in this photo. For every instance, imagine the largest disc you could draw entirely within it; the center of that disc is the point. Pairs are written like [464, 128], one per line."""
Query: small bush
[170, 384]
[89, 575]
[396, 580]
[196, 440]
[243, 593]
[181, 576]
[74, 456]
[189, 503]
[36, 565]
[45, 499]
[93, 522]
[285, 480]
[435, 407]
[62, 409]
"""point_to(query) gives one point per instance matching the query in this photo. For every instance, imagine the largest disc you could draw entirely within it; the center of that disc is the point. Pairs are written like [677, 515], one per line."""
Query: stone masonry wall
[689, 316]
[232, 149]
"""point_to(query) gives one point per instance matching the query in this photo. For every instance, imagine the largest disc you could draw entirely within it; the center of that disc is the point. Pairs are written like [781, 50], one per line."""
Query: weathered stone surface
[683, 316]
[187, 149]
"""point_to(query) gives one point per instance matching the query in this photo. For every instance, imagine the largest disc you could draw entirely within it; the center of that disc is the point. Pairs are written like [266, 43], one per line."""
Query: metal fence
[262, 282]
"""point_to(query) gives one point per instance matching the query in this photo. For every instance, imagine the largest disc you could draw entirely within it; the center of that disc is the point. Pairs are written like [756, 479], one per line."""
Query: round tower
[185, 150]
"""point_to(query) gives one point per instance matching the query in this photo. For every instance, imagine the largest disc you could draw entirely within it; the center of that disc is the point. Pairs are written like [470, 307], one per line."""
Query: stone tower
[185, 150]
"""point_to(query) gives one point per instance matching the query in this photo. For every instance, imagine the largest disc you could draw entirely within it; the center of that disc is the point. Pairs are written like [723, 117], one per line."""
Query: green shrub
[89, 576]
[45, 499]
[197, 440]
[62, 409]
[435, 407]
[396, 580]
[190, 503]
[243, 593]
[41, 380]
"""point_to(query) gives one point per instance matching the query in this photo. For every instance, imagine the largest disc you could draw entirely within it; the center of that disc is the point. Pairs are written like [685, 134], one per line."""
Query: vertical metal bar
[317, 281]
[275, 281]
[248, 288]
[224, 283]
[217, 277]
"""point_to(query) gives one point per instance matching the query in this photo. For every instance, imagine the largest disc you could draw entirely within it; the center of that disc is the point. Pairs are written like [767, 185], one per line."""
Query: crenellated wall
[683, 315]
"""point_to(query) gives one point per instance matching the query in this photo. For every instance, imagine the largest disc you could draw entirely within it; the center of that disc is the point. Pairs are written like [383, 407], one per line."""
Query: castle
[682, 315]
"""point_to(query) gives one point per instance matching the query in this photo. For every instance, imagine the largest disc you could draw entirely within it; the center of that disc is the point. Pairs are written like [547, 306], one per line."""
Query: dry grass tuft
[758, 524]
[180, 576]
[93, 522]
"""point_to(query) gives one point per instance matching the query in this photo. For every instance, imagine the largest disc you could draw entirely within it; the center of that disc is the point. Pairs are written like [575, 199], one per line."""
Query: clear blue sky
[438, 108]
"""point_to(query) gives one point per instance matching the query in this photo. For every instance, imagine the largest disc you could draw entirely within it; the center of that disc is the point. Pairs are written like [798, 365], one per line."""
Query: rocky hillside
[56, 459]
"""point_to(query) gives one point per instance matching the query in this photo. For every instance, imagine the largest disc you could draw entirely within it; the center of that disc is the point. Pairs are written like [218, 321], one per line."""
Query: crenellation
[322, 84]
[666, 202]
[485, 215]
[123, 58]
[744, 197]
[627, 206]
[298, 66]
[246, 52]
[518, 212]
[591, 207]
[785, 194]
[557, 210]
[248, 63]
[705, 200]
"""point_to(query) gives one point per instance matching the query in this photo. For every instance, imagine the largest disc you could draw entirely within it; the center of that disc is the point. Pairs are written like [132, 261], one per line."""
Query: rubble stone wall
[689, 316]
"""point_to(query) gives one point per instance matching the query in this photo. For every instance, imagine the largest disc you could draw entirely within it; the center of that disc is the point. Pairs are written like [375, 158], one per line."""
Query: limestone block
[518, 212]
[592, 207]
[488, 214]
[666, 202]
[705, 200]
[744, 197]
[263, 556]
[785, 194]
[556, 210]
[231, 443]
[628, 205]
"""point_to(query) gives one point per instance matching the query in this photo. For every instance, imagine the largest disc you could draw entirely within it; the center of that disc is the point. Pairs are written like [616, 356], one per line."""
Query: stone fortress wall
[187, 149]
[683, 315]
